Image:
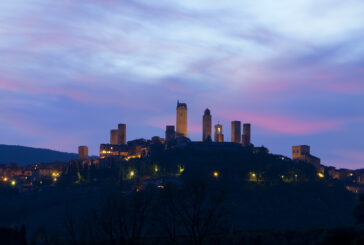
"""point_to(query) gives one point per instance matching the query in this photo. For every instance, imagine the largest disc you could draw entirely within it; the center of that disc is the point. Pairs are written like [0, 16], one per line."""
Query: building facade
[236, 132]
[181, 120]
[207, 126]
[302, 153]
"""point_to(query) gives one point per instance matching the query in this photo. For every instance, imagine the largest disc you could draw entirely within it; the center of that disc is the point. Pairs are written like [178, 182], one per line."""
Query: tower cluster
[174, 134]
[118, 136]
[236, 136]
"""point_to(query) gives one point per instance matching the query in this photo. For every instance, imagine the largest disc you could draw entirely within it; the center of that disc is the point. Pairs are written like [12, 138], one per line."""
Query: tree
[359, 210]
[198, 207]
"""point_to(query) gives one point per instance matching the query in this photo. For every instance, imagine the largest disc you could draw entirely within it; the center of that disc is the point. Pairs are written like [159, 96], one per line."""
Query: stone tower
[236, 131]
[206, 126]
[122, 134]
[219, 137]
[114, 136]
[181, 120]
[82, 152]
[246, 134]
[170, 133]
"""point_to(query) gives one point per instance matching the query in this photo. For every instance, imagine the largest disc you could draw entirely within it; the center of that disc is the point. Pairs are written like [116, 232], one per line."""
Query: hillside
[28, 155]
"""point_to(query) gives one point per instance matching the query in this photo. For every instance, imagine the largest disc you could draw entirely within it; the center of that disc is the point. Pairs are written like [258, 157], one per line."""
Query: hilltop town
[28, 178]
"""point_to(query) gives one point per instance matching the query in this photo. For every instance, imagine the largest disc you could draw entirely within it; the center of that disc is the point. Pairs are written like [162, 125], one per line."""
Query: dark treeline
[188, 196]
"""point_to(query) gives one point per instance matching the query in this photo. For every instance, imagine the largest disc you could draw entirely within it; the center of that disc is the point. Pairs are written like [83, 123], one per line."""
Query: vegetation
[28, 155]
[188, 196]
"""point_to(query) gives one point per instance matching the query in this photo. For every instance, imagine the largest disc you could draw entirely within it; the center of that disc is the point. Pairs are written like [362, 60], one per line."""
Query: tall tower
[170, 133]
[246, 134]
[206, 126]
[114, 136]
[219, 137]
[82, 152]
[122, 134]
[181, 121]
[236, 131]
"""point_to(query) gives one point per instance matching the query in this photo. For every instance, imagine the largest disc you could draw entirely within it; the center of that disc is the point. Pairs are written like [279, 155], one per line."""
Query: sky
[72, 70]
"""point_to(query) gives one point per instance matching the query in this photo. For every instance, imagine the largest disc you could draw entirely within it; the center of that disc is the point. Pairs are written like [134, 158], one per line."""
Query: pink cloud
[281, 123]
[353, 159]
[355, 155]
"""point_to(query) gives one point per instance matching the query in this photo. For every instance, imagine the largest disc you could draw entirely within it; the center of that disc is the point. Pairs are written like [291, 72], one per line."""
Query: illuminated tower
[170, 133]
[181, 120]
[236, 131]
[82, 152]
[246, 134]
[219, 137]
[206, 126]
[114, 136]
[122, 134]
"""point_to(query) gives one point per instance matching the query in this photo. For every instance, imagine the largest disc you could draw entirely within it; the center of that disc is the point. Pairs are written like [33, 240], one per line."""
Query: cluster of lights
[106, 152]
[55, 174]
[132, 156]
[13, 182]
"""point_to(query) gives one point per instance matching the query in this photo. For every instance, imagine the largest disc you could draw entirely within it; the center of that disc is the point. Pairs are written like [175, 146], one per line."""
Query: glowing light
[321, 175]
[5, 179]
[132, 173]
[55, 179]
[181, 169]
[216, 174]
[55, 174]
[156, 168]
[13, 183]
[282, 176]
[253, 177]
[161, 187]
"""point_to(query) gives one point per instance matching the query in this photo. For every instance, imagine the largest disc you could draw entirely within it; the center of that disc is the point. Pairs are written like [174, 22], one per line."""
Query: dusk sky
[72, 70]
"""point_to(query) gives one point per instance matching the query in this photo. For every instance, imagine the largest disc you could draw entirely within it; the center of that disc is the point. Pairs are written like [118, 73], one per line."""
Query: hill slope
[28, 155]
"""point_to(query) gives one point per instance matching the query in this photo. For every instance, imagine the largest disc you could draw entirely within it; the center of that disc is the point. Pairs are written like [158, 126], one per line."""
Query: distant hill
[28, 155]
